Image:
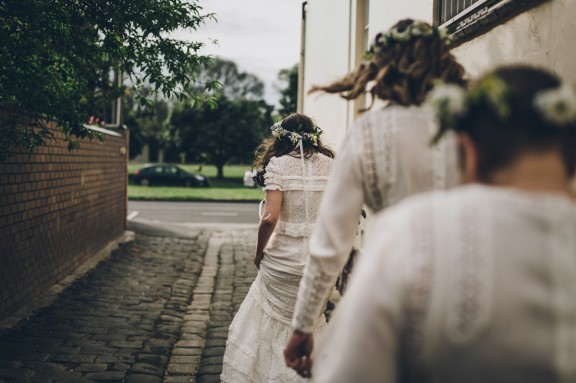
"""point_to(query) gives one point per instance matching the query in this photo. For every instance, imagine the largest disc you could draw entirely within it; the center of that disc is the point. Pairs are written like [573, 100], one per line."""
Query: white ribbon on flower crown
[305, 179]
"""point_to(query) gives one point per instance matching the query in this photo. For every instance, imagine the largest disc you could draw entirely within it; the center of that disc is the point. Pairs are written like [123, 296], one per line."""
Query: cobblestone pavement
[157, 310]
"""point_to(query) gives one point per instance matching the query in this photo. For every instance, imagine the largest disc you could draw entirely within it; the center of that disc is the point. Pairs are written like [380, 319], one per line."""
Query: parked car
[171, 175]
[248, 179]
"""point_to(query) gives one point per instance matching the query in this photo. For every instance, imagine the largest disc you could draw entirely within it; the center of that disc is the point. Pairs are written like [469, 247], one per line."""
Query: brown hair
[277, 147]
[403, 72]
[501, 140]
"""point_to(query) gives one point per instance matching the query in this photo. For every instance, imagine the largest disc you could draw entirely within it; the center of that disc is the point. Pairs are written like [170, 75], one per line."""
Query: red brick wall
[57, 208]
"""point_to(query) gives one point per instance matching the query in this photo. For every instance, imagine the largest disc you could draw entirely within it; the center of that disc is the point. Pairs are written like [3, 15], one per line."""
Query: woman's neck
[539, 172]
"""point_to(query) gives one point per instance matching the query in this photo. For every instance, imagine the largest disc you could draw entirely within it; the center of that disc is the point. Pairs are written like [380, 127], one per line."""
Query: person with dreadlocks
[385, 157]
[292, 167]
[474, 284]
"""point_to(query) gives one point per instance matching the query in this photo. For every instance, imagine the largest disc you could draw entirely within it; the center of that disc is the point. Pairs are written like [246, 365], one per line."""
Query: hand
[297, 353]
[257, 259]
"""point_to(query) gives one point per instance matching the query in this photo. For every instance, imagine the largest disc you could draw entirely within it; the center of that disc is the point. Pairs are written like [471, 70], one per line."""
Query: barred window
[449, 9]
[467, 18]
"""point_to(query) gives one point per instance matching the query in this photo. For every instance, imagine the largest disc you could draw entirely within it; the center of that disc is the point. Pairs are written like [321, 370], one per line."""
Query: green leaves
[228, 134]
[58, 57]
[288, 93]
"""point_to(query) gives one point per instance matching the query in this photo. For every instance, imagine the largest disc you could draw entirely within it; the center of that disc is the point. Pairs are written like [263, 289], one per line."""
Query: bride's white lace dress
[260, 329]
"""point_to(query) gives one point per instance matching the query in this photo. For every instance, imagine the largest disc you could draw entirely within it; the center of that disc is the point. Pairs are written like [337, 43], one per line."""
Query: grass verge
[228, 189]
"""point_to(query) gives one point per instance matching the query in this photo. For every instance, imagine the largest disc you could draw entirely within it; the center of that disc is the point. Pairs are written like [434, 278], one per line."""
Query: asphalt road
[193, 212]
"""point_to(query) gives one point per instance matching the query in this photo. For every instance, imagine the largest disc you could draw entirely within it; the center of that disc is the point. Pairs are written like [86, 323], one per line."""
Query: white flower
[295, 137]
[425, 29]
[445, 36]
[558, 105]
[400, 36]
[416, 31]
[448, 99]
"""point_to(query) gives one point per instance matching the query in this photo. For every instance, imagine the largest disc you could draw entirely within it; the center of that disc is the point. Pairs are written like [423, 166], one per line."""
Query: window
[468, 18]
[107, 108]
[452, 8]
[366, 25]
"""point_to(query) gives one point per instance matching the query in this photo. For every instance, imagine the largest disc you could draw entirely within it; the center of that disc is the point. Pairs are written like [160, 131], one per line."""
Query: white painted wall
[330, 53]
[544, 36]
[385, 13]
[327, 60]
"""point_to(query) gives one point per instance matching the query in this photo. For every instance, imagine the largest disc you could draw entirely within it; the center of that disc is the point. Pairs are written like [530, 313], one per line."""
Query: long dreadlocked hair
[403, 72]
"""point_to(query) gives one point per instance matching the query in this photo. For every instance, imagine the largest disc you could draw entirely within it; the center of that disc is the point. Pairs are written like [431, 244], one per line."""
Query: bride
[293, 170]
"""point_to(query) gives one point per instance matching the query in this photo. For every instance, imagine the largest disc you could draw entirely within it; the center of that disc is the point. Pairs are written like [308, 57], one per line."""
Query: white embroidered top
[260, 329]
[385, 157]
[302, 184]
[472, 285]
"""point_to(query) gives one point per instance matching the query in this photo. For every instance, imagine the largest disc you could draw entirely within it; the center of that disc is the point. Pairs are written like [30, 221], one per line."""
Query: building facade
[336, 33]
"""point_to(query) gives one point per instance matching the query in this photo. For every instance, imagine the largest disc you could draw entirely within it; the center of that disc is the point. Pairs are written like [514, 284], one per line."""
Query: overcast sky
[261, 36]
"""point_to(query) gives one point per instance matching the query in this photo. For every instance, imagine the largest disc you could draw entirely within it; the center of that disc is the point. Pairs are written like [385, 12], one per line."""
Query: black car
[160, 174]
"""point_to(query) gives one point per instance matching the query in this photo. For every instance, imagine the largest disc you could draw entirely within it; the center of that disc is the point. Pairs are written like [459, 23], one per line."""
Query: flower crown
[556, 106]
[417, 29]
[279, 132]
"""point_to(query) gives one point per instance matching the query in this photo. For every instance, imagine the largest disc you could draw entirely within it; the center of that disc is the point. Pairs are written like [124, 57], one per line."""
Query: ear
[469, 158]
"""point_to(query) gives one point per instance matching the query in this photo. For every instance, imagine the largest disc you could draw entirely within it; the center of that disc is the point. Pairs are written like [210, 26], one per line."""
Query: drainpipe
[350, 58]
[302, 66]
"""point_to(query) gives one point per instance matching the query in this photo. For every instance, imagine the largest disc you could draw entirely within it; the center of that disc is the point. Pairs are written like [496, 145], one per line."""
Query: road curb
[194, 200]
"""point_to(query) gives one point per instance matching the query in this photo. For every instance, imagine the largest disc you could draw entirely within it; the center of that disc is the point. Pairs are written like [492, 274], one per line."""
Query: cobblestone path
[158, 310]
[225, 280]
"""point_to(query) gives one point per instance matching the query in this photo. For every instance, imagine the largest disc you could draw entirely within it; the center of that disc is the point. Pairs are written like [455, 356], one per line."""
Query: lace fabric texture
[258, 335]
[260, 329]
[298, 183]
[471, 285]
[385, 157]
[314, 290]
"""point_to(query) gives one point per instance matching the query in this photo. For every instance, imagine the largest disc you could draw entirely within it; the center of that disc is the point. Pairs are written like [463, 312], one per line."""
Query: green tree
[288, 91]
[57, 59]
[234, 83]
[227, 134]
[232, 131]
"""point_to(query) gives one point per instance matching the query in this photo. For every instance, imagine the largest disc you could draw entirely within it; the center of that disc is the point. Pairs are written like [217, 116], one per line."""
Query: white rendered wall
[331, 53]
[327, 59]
[385, 13]
[543, 36]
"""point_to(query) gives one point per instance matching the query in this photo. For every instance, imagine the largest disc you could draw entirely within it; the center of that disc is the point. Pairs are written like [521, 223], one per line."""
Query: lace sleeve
[273, 175]
[314, 289]
[370, 317]
[333, 237]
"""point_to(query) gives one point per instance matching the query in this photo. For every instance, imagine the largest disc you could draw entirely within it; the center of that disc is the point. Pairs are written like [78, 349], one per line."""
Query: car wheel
[145, 182]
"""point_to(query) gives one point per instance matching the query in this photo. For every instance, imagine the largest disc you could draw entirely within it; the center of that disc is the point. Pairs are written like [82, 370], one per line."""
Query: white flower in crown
[558, 105]
[445, 36]
[295, 137]
[425, 29]
[448, 99]
[400, 36]
[277, 130]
